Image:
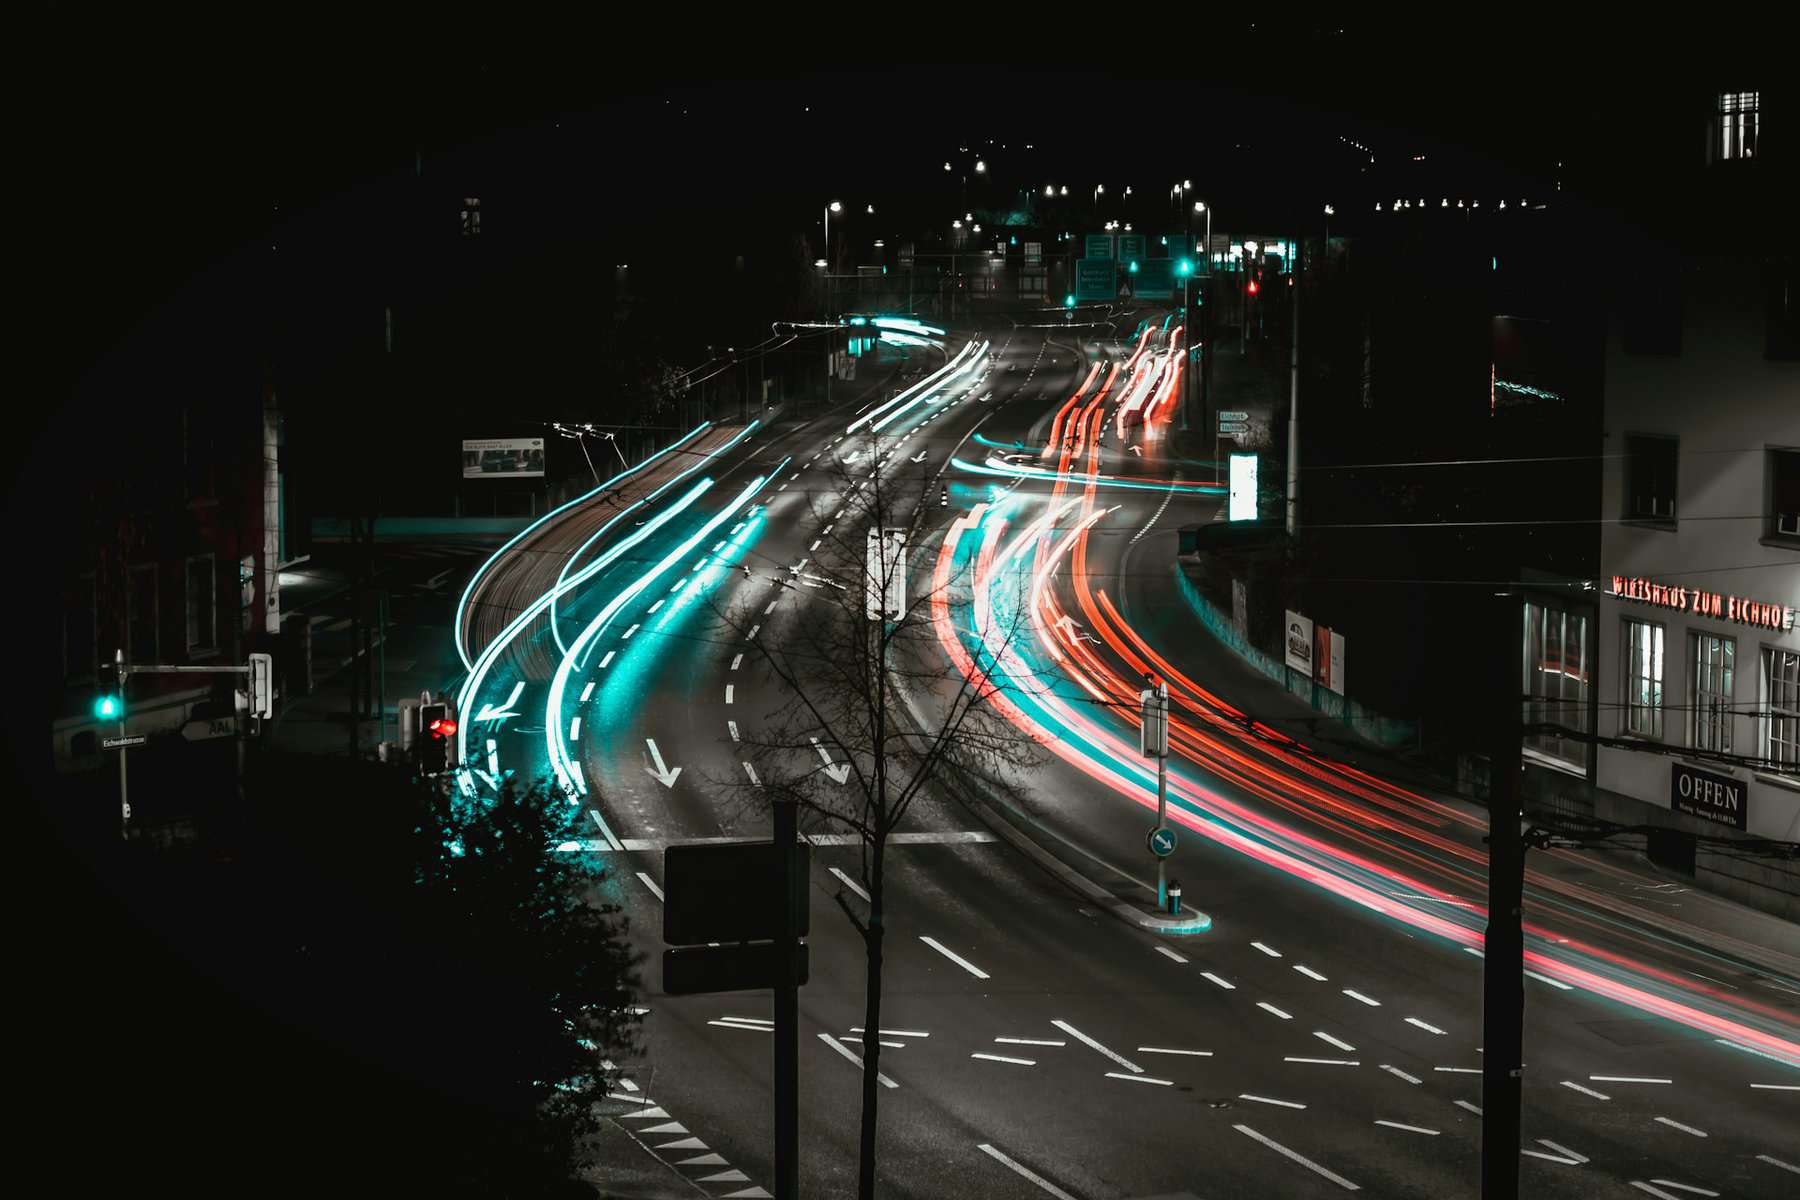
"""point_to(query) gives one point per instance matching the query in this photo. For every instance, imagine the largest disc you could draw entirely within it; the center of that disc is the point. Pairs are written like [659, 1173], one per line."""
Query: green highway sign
[1132, 246]
[1099, 245]
[1095, 279]
[1233, 427]
[1156, 275]
[1234, 416]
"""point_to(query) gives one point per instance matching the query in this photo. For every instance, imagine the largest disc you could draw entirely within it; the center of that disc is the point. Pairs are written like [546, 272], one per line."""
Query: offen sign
[1706, 795]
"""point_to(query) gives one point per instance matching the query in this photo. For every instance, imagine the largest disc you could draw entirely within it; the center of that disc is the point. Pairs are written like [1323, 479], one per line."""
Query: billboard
[503, 458]
[1328, 658]
[1297, 643]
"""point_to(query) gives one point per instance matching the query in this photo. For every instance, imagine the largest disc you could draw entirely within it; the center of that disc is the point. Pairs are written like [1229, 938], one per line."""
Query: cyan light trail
[1019, 471]
[941, 392]
[930, 381]
[568, 775]
[462, 651]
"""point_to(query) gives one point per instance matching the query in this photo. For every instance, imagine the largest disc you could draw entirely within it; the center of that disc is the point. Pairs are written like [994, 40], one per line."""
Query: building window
[80, 635]
[1738, 123]
[1781, 471]
[1714, 673]
[1643, 674]
[1557, 671]
[140, 605]
[1650, 476]
[1781, 707]
[202, 596]
[471, 216]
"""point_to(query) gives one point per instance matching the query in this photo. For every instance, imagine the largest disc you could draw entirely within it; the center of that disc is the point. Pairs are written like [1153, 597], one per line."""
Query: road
[1323, 1036]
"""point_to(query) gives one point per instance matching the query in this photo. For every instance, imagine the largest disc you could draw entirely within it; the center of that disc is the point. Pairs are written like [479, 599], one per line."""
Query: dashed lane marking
[1309, 973]
[751, 772]
[1164, 950]
[1411, 1128]
[1264, 1004]
[1006, 1041]
[1166, 1050]
[1684, 1128]
[1224, 983]
[1338, 1042]
[839, 1047]
[1023, 1062]
[1140, 1078]
[1476, 1109]
[842, 878]
[954, 957]
[1368, 1000]
[1427, 1026]
[1270, 1100]
[1268, 950]
[1563, 1150]
[1323, 1062]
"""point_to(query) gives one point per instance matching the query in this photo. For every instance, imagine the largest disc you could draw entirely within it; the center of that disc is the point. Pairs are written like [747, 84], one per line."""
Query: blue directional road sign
[1162, 841]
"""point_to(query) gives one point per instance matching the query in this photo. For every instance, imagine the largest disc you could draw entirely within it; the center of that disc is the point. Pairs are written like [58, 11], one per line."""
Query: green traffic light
[108, 707]
[1185, 267]
[1134, 268]
[1069, 300]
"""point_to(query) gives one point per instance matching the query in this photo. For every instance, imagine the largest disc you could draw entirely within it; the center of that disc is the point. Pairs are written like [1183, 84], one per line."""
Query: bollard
[1175, 897]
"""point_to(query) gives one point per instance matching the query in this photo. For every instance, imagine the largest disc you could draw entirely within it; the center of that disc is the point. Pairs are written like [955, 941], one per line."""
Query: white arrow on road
[919, 457]
[839, 773]
[661, 774]
[490, 713]
[1137, 450]
[1068, 624]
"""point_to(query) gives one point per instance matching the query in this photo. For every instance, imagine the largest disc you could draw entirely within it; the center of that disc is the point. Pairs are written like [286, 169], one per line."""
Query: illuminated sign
[1243, 488]
[1705, 604]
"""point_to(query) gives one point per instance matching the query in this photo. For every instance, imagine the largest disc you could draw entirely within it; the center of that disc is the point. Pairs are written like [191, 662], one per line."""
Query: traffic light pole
[124, 791]
[1503, 961]
[787, 1009]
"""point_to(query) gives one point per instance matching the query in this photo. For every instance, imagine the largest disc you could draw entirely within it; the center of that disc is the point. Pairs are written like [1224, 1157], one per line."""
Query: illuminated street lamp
[980, 167]
[834, 206]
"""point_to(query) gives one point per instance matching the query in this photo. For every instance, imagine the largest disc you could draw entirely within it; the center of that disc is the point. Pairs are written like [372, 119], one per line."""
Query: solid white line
[836, 1045]
[1224, 983]
[1586, 1091]
[905, 1033]
[1140, 1079]
[1547, 1157]
[1029, 1042]
[1273, 1009]
[1023, 1062]
[1641, 1186]
[751, 772]
[857, 1041]
[1683, 1128]
[1776, 1162]
[1272, 953]
[1471, 1107]
[1270, 1100]
[1326, 1037]
[1082, 1037]
[740, 1025]
[1401, 1074]
[1555, 983]
[1309, 973]
[1308, 1163]
[1365, 999]
[614, 842]
[1165, 1050]
[730, 688]
[1759, 1053]
[732, 725]
[607, 659]
[651, 884]
[1324, 1062]
[1412, 1128]
[1626, 1079]
[1459, 1070]
[846, 880]
[1025, 1171]
[735, 660]
[587, 691]
[1427, 1026]
[954, 957]
[1563, 1150]
[1686, 1187]
[1776, 1087]
[1160, 949]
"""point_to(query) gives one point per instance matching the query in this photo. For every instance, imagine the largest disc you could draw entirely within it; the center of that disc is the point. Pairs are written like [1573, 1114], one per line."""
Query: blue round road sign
[1162, 841]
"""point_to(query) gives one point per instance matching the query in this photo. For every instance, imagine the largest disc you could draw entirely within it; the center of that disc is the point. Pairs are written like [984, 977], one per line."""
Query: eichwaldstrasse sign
[1705, 604]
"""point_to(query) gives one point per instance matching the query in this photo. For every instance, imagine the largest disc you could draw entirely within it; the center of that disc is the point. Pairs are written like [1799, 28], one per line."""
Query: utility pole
[1293, 471]
[787, 1006]
[124, 794]
[1503, 962]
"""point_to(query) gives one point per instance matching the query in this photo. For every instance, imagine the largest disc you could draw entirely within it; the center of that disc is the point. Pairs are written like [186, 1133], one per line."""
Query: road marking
[1166, 1050]
[1323, 1062]
[628, 633]
[1563, 1150]
[1776, 1162]
[1776, 1087]
[1555, 983]
[1626, 1079]
[754, 630]
[1091, 1043]
[732, 725]
[769, 609]
[1759, 1053]
[1339, 1043]
[1413, 1128]
[739, 1025]
[857, 1041]
[906, 1033]
[729, 689]
[750, 1020]
[954, 957]
[839, 1047]
[987, 1149]
[1459, 1070]
[606, 660]
[814, 546]
[1270, 1007]
[1224, 983]
[1471, 1107]
[735, 660]
[1641, 1186]
[1309, 973]
[1547, 1157]
[651, 884]
[1022, 1062]
[1401, 1074]
[1683, 1128]
[1140, 1079]
[842, 878]
[575, 729]
[755, 782]
[658, 604]
[1270, 1100]
[1160, 949]
[604, 831]
[587, 691]
[692, 1143]
[1586, 1091]
[1308, 1163]
[1354, 995]
[1029, 1041]
[1686, 1187]
[1427, 1026]
[648, 1114]
[1271, 952]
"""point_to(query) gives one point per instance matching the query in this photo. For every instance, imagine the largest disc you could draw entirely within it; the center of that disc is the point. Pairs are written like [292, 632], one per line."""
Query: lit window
[1781, 707]
[1738, 124]
[1714, 670]
[1557, 658]
[1643, 675]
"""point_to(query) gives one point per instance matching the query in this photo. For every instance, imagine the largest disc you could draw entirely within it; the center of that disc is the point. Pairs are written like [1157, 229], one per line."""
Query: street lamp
[980, 167]
[1099, 191]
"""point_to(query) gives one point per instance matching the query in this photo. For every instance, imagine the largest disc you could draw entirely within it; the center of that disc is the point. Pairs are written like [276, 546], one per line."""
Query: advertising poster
[1299, 643]
[503, 458]
[1322, 656]
[1336, 680]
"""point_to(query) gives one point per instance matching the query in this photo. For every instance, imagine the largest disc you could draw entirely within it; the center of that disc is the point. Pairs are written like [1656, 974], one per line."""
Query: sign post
[1153, 740]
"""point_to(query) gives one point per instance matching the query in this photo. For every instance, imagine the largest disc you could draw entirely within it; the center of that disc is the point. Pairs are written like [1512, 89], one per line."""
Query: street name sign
[1233, 427]
[116, 743]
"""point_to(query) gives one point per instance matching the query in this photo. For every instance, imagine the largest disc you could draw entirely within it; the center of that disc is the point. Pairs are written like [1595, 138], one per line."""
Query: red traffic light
[1253, 287]
[443, 727]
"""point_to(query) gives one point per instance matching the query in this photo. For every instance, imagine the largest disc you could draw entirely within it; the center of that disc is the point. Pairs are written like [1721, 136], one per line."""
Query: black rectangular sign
[729, 892]
[1708, 796]
[750, 966]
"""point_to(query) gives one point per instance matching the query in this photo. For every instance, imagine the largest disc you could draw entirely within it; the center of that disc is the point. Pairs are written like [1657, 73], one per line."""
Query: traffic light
[1185, 267]
[1252, 287]
[109, 700]
[1133, 267]
[1069, 301]
[436, 728]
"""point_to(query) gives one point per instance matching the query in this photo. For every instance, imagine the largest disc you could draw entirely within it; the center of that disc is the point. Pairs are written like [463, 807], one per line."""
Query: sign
[1705, 604]
[1156, 276]
[1299, 643]
[1336, 681]
[114, 743]
[1162, 841]
[503, 458]
[1099, 245]
[885, 569]
[1132, 248]
[1233, 427]
[729, 892]
[1242, 505]
[693, 970]
[1706, 795]
[1233, 416]
[1153, 725]
[1328, 658]
[201, 730]
[1095, 279]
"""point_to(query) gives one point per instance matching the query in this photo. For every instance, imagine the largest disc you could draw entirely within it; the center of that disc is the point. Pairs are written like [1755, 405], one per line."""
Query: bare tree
[872, 712]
